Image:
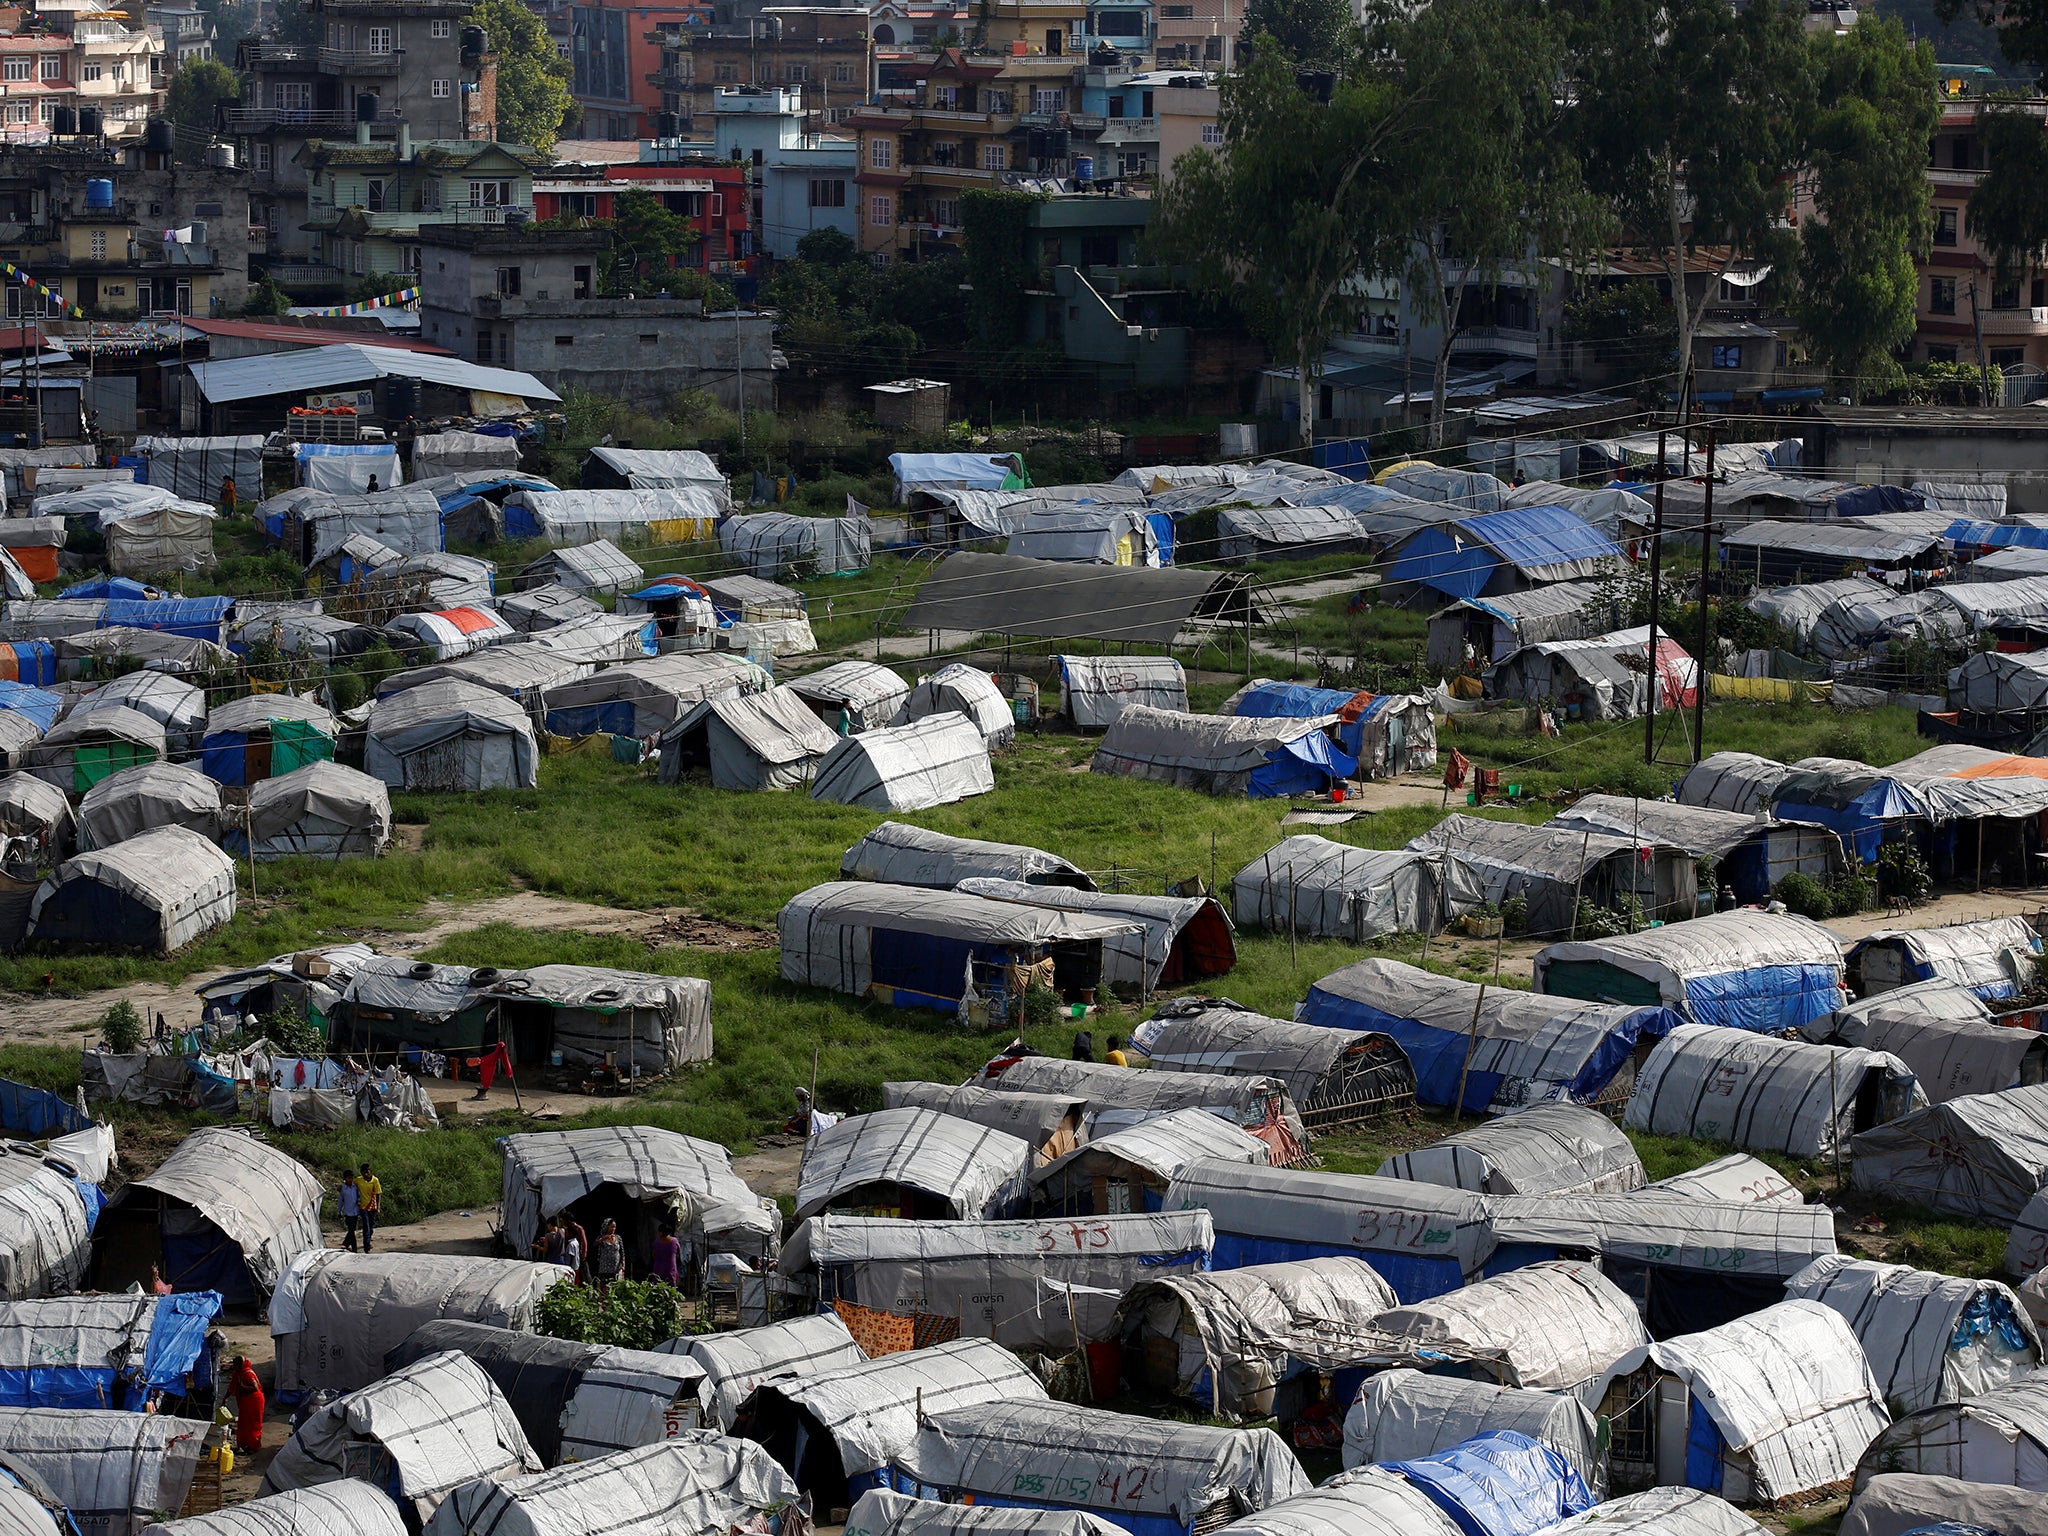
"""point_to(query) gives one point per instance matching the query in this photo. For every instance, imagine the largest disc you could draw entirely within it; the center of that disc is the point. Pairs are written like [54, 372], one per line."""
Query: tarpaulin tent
[1388, 733]
[643, 1023]
[161, 541]
[434, 581]
[522, 671]
[573, 1400]
[1484, 629]
[594, 568]
[1226, 1339]
[313, 524]
[46, 1219]
[1336, 1077]
[1661, 1512]
[448, 633]
[1799, 609]
[678, 606]
[1931, 1338]
[345, 468]
[172, 702]
[917, 1160]
[1453, 487]
[1405, 1413]
[1766, 1094]
[869, 694]
[350, 1507]
[1605, 678]
[735, 1363]
[77, 753]
[1037, 1287]
[454, 453]
[1994, 957]
[194, 467]
[1131, 1168]
[653, 469]
[775, 544]
[645, 698]
[1050, 1122]
[1094, 690]
[2007, 565]
[1899, 1503]
[249, 739]
[839, 1432]
[1122, 1096]
[896, 853]
[121, 645]
[1371, 1501]
[1423, 1239]
[1854, 625]
[1775, 1404]
[40, 812]
[748, 741]
[451, 736]
[1506, 551]
[1311, 885]
[1993, 1154]
[156, 892]
[234, 1213]
[114, 1473]
[28, 661]
[2026, 1252]
[1619, 513]
[52, 618]
[916, 948]
[1545, 1149]
[1095, 534]
[976, 471]
[1184, 938]
[335, 1314]
[691, 1485]
[639, 1175]
[933, 761]
[1856, 800]
[1786, 554]
[879, 1512]
[25, 714]
[1085, 1458]
[1523, 1048]
[1999, 607]
[1308, 533]
[131, 802]
[1746, 970]
[1751, 853]
[1486, 863]
[1952, 1050]
[1499, 1484]
[389, 1001]
[317, 636]
[428, 1428]
[669, 515]
[1999, 682]
[1997, 1437]
[542, 608]
[1223, 755]
[322, 810]
[963, 690]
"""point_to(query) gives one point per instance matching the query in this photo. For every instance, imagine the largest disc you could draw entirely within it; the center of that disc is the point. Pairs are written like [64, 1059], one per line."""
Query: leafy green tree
[826, 247]
[195, 90]
[533, 77]
[1308, 31]
[293, 21]
[651, 240]
[1630, 327]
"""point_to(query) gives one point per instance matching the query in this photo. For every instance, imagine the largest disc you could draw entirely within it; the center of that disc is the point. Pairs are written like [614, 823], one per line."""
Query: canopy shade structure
[1745, 970]
[1059, 600]
[1404, 1413]
[113, 1472]
[1999, 1437]
[1222, 754]
[1312, 885]
[1546, 1149]
[1994, 1154]
[896, 853]
[933, 761]
[918, 1159]
[734, 1364]
[1335, 1077]
[236, 1213]
[1183, 939]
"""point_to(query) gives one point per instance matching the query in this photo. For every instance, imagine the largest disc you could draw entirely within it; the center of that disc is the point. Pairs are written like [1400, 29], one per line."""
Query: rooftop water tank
[99, 192]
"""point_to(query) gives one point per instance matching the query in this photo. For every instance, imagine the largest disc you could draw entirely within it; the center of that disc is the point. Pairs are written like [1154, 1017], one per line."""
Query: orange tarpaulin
[37, 561]
[2004, 768]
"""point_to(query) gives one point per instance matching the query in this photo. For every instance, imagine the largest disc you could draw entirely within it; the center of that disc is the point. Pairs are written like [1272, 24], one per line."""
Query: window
[92, 72]
[797, 74]
[380, 39]
[1941, 296]
[1048, 99]
[881, 153]
[441, 90]
[946, 212]
[373, 194]
[114, 291]
[1727, 356]
[508, 282]
[650, 339]
[725, 72]
[881, 211]
[998, 103]
[412, 259]
[842, 74]
[52, 66]
[718, 205]
[99, 245]
[565, 341]
[828, 193]
[2005, 293]
[995, 157]
[16, 67]
[582, 278]
[1941, 354]
[1177, 13]
[355, 257]
[490, 194]
[442, 28]
[292, 95]
[764, 73]
[1944, 226]
[1212, 133]
[2008, 357]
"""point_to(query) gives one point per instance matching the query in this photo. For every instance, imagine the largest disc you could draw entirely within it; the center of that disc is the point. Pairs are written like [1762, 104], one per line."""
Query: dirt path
[1962, 907]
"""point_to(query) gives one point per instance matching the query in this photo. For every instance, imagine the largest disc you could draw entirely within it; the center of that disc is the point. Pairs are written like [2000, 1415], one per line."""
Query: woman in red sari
[248, 1393]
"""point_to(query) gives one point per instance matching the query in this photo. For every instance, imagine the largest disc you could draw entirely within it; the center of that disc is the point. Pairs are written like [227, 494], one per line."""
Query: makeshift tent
[1931, 1338]
[750, 599]
[668, 515]
[1503, 552]
[1794, 553]
[1223, 755]
[77, 753]
[773, 544]
[594, 568]
[131, 802]
[1993, 1155]
[964, 690]
[896, 853]
[1064, 1455]
[1369, 1502]
[878, 1512]
[1479, 630]
[748, 741]
[172, 702]
[1855, 799]
[1452, 487]
[313, 635]
[1389, 733]
[25, 714]
[161, 541]
[1854, 626]
[1499, 1484]
[1766, 1094]
[1007, 594]
[1546, 1149]
[1183, 938]
[1308, 533]
[678, 606]
[1998, 1437]
[1422, 1239]
[249, 739]
[123, 646]
[653, 469]
[1310, 885]
[1746, 970]
[1799, 609]
[523, 671]
[1090, 533]
[602, 637]
[542, 608]
[441, 582]
[460, 453]
[47, 1216]
[934, 761]
[1050, 1122]
[919, 1161]
[927, 949]
[1405, 1413]
[451, 736]
[113, 1473]
[867, 693]
[426, 1428]
[156, 892]
[1661, 1512]
[39, 812]
[1037, 1287]
[2026, 1250]
[1130, 1169]
[322, 810]
[687, 1486]
[1484, 863]
[734, 1364]
[1951, 1055]
[1336, 1077]
[1994, 957]
[447, 634]
[233, 1213]
[839, 1432]
[1094, 690]
[642, 1177]
[641, 1023]
[1899, 1503]
[393, 1001]
[1227, 1339]
[1617, 512]
[937, 471]
[195, 467]
[645, 698]
[1523, 1047]
[1776, 1404]
[1751, 853]
[344, 468]
[1605, 678]
[350, 1507]
[1124, 1096]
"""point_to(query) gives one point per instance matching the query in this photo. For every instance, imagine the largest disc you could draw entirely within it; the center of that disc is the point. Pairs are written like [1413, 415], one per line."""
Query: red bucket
[1337, 794]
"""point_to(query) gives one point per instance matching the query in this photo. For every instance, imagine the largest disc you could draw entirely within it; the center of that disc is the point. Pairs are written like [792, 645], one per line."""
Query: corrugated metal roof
[288, 373]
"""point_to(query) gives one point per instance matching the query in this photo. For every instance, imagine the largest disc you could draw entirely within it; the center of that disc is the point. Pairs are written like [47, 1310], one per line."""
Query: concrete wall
[2008, 447]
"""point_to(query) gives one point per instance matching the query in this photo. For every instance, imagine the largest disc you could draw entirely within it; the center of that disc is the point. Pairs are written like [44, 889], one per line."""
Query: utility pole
[739, 365]
[1656, 602]
[1983, 367]
[1699, 663]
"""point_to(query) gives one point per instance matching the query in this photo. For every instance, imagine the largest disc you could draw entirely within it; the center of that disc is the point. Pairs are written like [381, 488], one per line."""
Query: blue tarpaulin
[198, 618]
[33, 703]
[175, 1349]
[1162, 534]
[113, 586]
[35, 1114]
[1345, 456]
[1767, 998]
[1874, 500]
[1964, 532]
[1500, 551]
[1861, 822]
[28, 661]
[1305, 766]
[974, 471]
[1500, 1484]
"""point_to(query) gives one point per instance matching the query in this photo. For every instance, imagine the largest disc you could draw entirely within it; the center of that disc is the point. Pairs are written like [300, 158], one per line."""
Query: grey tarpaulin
[542, 608]
[969, 1169]
[193, 467]
[1280, 532]
[1931, 1338]
[1745, 1237]
[1799, 608]
[1661, 1512]
[262, 1200]
[1031, 1285]
[1217, 754]
[770, 544]
[1372, 1501]
[406, 519]
[1184, 938]
[436, 581]
[445, 634]
[334, 1314]
[1789, 1391]
[1564, 610]
[172, 702]
[693, 1485]
[599, 637]
[158, 891]
[460, 453]
[1226, 1338]
[1472, 489]
[1852, 625]
[2021, 604]
[1050, 1122]
[1782, 847]
[1952, 1058]
[624, 517]
[736, 1363]
[1403, 1413]
[934, 761]
[1098, 534]
[1738, 1177]
[1895, 1503]
[2008, 564]
[322, 810]
[424, 1430]
[314, 635]
[159, 542]
[1715, 945]
[1010, 595]
[451, 735]
[31, 808]
[51, 618]
[1546, 1149]
[1995, 682]
[749, 741]
[1094, 690]
[1936, 1001]
[157, 649]
[2000, 1436]
[1119, 1096]
[1994, 957]
[45, 1234]
[897, 853]
[1333, 1075]
[1732, 781]
[657, 469]
[754, 600]
[1618, 513]
[1835, 545]
[520, 670]
[872, 695]
[1553, 868]
[2026, 1254]
[1081, 1452]
[114, 1472]
[655, 692]
[1765, 1094]
[549, 1171]
[350, 1507]
[963, 690]
[1608, 674]
[1557, 1326]
[1993, 1154]
[1311, 885]
[1117, 1169]
[116, 726]
[878, 1512]
[649, 1023]
[134, 800]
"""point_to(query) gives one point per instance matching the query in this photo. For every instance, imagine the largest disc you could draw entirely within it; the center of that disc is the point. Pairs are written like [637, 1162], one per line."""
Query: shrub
[1806, 896]
[1041, 1007]
[1902, 873]
[1851, 891]
[631, 1314]
[120, 1028]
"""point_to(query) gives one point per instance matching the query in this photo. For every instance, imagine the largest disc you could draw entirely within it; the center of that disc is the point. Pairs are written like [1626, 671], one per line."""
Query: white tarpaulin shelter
[1992, 1155]
[644, 1022]
[1931, 1338]
[350, 1507]
[1404, 1413]
[698, 1484]
[969, 1171]
[1895, 1503]
[1753, 853]
[1092, 534]
[770, 544]
[158, 892]
[537, 609]
[334, 1314]
[644, 698]
[1546, 1149]
[934, 761]
[172, 702]
[1184, 938]
[422, 1431]
[194, 467]
[656, 469]
[322, 810]
[594, 568]
[114, 1472]
[449, 633]
[1944, 1034]
[1998, 1437]
[451, 735]
[45, 1231]
[748, 741]
[668, 515]
[1994, 957]
[1313, 886]
[1094, 690]
[963, 690]
[1125, 1096]
[1050, 1122]
[149, 795]
[870, 694]
[896, 853]
[878, 1512]
[1750, 970]
[71, 751]
[41, 812]
[1765, 1094]
[461, 453]
[1130, 1168]
[522, 670]
[343, 469]
[1372, 1501]
[1736, 1178]
[1334, 1076]
[163, 540]
[2026, 1254]
[736, 1363]
[1661, 1512]
[223, 1186]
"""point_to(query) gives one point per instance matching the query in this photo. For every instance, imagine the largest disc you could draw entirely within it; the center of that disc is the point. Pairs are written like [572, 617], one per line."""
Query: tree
[827, 247]
[651, 239]
[199, 86]
[293, 21]
[533, 78]
[2008, 213]
[1307, 31]
[1874, 113]
[1630, 327]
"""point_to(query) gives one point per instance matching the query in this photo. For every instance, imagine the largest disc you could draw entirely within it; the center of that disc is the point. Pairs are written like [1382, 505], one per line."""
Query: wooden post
[1656, 604]
[1471, 1040]
[1699, 661]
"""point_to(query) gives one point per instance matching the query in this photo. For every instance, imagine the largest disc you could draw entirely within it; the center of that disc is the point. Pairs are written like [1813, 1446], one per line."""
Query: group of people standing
[563, 1241]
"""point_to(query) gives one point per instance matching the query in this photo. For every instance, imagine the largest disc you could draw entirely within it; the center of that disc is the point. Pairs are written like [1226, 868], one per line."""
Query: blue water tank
[99, 193]
[1084, 167]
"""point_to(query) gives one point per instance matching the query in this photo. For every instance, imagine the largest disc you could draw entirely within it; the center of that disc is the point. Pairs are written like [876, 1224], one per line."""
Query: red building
[710, 195]
[616, 64]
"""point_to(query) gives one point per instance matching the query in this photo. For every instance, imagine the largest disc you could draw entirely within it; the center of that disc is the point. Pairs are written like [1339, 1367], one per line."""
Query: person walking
[668, 1257]
[227, 494]
[249, 1405]
[370, 1194]
[351, 1209]
[608, 1258]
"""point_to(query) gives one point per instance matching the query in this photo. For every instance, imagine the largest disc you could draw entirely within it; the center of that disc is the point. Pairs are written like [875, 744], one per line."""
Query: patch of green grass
[54, 1067]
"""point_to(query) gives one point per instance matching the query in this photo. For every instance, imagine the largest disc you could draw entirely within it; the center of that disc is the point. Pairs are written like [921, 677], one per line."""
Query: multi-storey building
[186, 31]
[35, 80]
[368, 201]
[818, 55]
[1198, 32]
[708, 194]
[802, 181]
[616, 62]
[1963, 296]
[119, 69]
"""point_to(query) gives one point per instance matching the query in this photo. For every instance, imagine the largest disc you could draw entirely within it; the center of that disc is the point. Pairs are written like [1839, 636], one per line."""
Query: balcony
[304, 56]
[2015, 322]
[304, 274]
[934, 172]
[307, 120]
[1130, 130]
